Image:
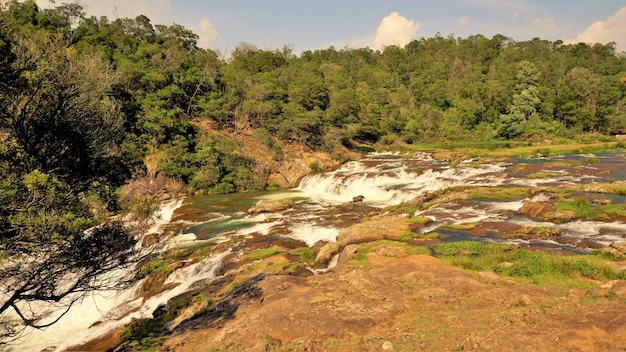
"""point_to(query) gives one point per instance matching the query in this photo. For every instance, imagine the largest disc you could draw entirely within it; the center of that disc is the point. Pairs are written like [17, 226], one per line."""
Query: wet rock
[534, 209]
[601, 201]
[270, 206]
[149, 240]
[326, 253]
[160, 310]
[301, 271]
[357, 199]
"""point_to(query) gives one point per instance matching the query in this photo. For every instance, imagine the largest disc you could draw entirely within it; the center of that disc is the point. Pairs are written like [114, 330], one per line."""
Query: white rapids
[382, 179]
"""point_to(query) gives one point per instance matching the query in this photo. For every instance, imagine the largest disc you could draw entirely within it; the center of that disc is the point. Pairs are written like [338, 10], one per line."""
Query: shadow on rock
[226, 308]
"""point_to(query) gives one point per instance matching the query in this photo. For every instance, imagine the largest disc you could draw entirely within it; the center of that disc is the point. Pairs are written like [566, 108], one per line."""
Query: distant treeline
[161, 86]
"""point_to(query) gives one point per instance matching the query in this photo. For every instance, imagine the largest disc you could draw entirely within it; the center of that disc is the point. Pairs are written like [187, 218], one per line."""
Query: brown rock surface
[378, 228]
[534, 209]
[270, 206]
[414, 302]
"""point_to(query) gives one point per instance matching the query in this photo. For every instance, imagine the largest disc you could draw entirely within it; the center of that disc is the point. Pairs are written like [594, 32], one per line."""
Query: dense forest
[163, 87]
[86, 102]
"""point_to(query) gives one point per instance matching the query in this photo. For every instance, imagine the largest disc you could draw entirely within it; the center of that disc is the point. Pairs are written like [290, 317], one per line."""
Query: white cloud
[463, 20]
[543, 23]
[611, 30]
[208, 35]
[515, 16]
[395, 30]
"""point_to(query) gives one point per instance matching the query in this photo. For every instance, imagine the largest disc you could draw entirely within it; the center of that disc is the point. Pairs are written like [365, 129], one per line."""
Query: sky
[319, 24]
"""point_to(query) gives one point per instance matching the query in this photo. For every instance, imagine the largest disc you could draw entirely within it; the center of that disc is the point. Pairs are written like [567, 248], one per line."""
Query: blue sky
[318, 24]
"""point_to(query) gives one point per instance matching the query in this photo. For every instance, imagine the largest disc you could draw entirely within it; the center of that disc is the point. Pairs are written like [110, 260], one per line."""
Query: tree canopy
[84, 100]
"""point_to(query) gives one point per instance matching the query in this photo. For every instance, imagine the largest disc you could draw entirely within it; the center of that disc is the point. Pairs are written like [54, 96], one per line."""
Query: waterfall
[73, 327]
[135, 308]
[384, 182]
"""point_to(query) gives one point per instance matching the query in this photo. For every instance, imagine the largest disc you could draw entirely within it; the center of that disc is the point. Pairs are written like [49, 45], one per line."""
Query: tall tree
[59, 140]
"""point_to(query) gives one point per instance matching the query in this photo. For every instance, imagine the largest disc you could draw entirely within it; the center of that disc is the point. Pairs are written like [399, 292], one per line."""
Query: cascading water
[383, 182]
[323, 205]
[95, 307]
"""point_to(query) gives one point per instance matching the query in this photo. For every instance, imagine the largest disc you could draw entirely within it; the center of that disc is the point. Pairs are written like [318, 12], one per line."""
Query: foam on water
[392, 182]
[310, 234]
[184, 279]
[95, 305]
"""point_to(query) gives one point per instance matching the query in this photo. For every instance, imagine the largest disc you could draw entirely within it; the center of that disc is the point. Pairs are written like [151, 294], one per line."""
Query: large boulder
[325, 254]
[378, 228]
[534, 209]
[270, 206]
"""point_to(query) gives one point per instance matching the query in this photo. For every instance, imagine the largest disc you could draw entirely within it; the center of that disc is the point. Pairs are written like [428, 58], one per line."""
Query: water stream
[322, 207]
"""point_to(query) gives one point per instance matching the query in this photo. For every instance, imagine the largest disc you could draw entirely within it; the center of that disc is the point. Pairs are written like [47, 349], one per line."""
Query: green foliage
[499, 193]
[463, 248]
[83, 100]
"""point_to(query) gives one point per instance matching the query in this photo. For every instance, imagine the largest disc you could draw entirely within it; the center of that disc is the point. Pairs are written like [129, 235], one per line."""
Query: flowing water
[323, 206]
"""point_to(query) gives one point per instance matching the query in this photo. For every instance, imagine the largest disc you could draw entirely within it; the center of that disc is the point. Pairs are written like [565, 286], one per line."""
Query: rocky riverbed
[311, 269]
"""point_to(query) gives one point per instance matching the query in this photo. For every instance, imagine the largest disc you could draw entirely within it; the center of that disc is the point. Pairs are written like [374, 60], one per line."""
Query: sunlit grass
[528, 267]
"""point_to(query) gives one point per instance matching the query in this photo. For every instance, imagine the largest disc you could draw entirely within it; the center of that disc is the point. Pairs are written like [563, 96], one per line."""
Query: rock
[601, 201]
[617, 249]
[563, 216]
[160, 310]
[326, 253]
[387, 346]
[347, 253]
[378, 228]
[358, 199]
[534, 209]
[270, 206]
[605, 187]
[153, 185]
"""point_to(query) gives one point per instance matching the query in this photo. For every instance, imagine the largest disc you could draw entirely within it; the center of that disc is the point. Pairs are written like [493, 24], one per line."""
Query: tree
[524, 104]
[59, 135]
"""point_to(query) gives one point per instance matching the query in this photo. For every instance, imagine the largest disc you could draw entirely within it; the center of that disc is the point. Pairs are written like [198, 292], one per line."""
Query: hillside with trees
[88, 104]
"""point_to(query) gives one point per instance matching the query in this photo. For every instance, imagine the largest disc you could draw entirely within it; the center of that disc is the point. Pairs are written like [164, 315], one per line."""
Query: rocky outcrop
[378, 228]
[534, 209]
[270, 206]
[388, 306]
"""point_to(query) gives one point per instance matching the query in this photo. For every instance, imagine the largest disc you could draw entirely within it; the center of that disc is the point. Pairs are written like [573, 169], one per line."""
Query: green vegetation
[261, 254]
[87, 104]
[536, 232]
[306, 254]
[542, 175]
[500, 193]
[534, 267]
[463, 226]
[583, 209]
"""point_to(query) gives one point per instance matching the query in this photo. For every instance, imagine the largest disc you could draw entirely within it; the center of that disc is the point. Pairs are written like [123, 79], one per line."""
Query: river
[323, 207]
